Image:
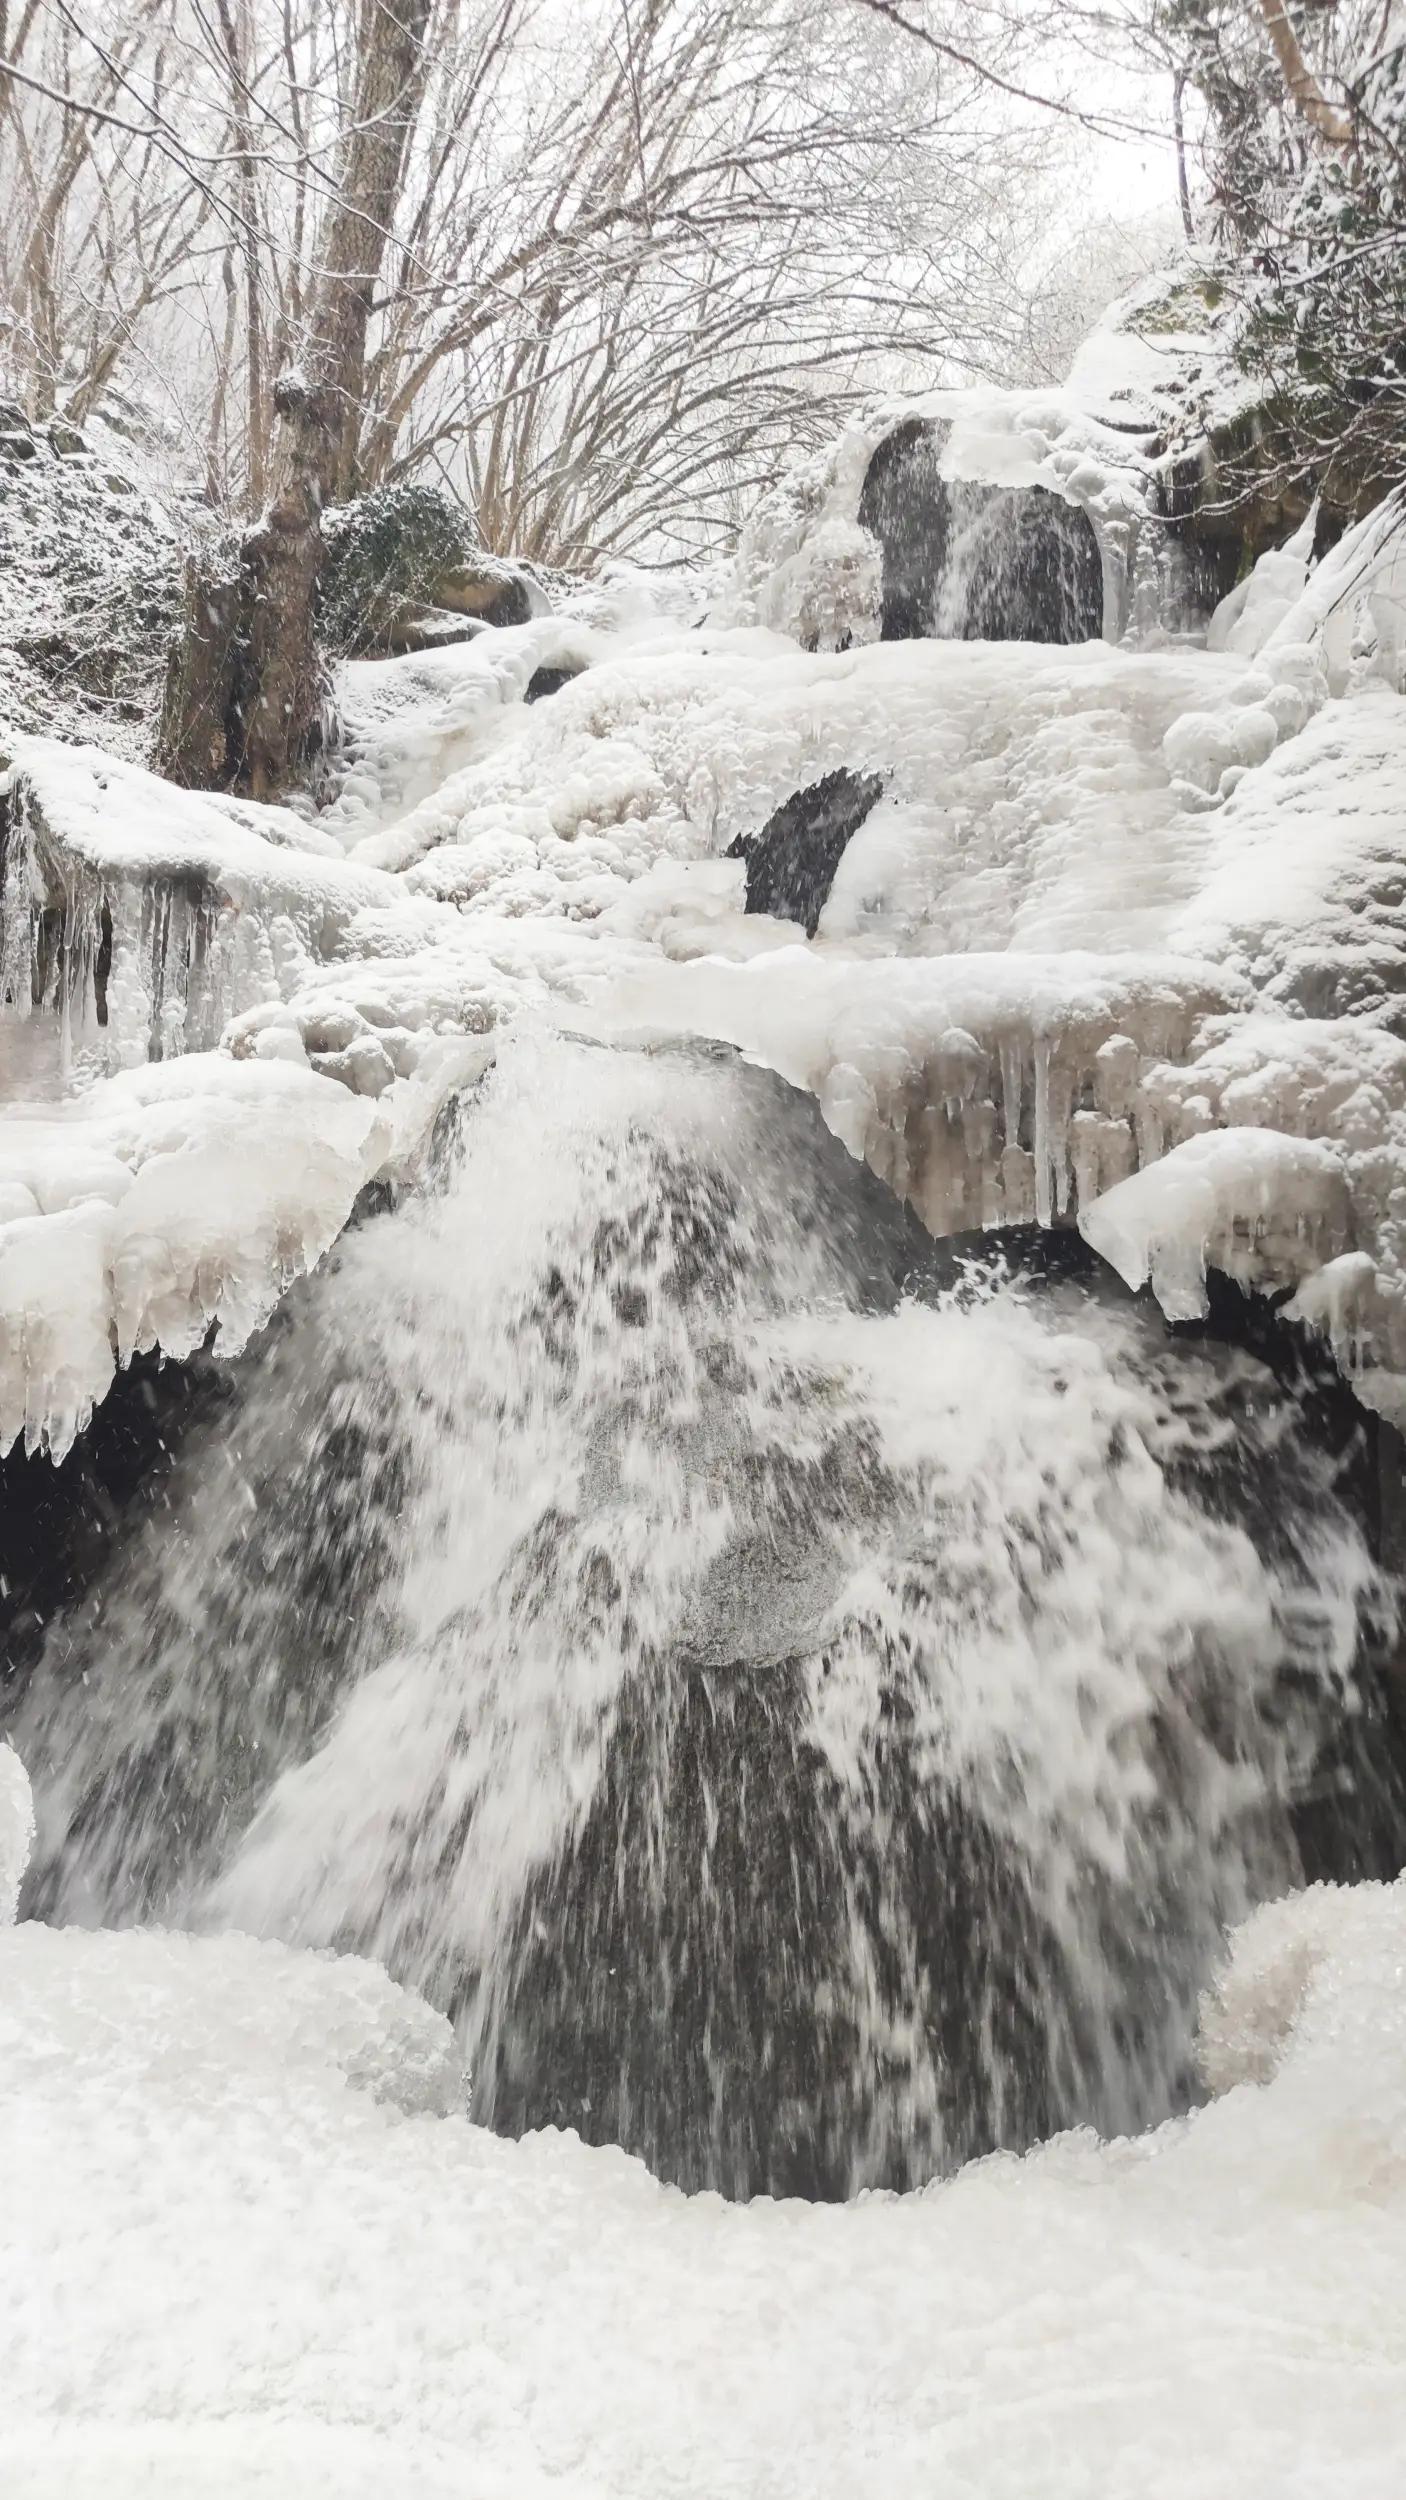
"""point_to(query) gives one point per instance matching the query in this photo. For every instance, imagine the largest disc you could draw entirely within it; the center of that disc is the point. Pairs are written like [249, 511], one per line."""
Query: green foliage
[1184, 306]
[1221, 51]
[1326, 312]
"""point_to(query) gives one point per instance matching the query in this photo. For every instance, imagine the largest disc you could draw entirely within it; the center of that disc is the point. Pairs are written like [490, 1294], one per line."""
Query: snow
[251, 2244]
[1161, 357]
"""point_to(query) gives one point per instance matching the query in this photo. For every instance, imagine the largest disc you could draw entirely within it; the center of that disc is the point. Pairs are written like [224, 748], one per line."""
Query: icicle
[1012, 1087]
[17, 911]
[1018, 1181]
[129, 1005]
[1044, 1208]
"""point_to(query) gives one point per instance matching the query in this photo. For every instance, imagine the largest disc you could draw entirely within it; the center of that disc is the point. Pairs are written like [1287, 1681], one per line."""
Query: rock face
[62, 1528]
[791, 863]
[905, 505]
[974, 562]
[90, 577]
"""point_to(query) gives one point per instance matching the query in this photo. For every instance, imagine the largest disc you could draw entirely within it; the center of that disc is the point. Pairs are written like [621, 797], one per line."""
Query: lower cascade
[805, 1704]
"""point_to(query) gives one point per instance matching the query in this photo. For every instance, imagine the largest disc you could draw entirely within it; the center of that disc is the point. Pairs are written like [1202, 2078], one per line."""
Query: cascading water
[964, 560]
[1020, 565]
[807, 1718]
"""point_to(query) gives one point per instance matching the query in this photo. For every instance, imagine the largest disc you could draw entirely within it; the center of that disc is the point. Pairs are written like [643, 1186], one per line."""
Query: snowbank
[243, 2252]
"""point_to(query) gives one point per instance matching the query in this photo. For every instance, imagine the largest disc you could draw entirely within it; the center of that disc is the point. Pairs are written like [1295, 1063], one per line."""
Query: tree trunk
[200, 681]
[1188, 224]
[1307, 95]
[272, 666]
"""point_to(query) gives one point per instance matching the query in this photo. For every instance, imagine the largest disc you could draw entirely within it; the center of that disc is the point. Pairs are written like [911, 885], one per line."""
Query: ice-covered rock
[1108, 900]
[141, 915]
[1257, 1205]
[171, 1201]
[810, 562]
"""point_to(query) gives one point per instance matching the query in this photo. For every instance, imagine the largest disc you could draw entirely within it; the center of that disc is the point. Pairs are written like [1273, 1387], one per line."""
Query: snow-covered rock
[807, 564]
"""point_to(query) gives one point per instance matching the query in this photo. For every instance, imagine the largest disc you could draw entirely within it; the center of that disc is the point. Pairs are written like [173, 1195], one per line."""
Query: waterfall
[805, 1709]
[964, 560]
[1020, 565]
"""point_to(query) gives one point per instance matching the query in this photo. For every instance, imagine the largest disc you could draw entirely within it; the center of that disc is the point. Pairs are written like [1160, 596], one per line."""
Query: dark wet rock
[62, 1527]
[791, 863]
[545, 681]
[1030, 567]
[429, 629]
[905, 505]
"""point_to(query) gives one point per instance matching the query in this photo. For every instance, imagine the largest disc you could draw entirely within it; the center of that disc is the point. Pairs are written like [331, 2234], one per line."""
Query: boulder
[791, 863]
[402, 575]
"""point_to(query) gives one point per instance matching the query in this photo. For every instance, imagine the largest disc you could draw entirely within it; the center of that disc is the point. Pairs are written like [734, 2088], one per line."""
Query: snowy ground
[251, 2245]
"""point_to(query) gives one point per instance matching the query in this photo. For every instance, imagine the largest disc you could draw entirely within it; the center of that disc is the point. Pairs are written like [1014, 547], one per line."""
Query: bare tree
[593, 267]
[95, 235]
[245, 693]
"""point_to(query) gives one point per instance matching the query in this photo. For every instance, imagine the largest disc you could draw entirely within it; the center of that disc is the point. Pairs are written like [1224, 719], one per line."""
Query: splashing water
[1018, 565]
[808, 1720]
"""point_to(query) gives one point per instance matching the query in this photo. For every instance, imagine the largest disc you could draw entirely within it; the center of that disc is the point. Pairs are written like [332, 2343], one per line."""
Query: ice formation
[168, 1202]
[141, 915]
[807, 565]
[242, 2254]
[1111, 898]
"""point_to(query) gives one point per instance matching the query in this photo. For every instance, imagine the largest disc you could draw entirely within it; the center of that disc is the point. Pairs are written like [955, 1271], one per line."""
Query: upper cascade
[1129, 499]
